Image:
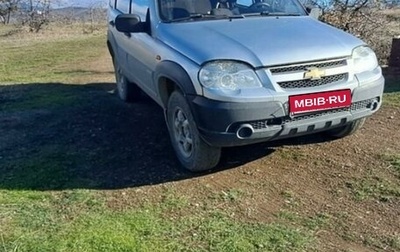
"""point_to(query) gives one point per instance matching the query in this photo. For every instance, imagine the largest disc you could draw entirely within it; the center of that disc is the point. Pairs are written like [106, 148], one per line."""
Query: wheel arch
[110, 49]
[170, 76]
[111, 44]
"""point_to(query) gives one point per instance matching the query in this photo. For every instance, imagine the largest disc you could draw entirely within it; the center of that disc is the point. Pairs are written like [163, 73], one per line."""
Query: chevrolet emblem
[313, 73]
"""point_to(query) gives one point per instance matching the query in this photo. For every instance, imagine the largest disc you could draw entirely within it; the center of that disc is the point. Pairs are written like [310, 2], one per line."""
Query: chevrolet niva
[237, 72]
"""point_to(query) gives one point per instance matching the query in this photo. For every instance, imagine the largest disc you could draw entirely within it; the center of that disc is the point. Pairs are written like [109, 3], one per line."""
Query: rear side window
[139, 7]
[123, 6]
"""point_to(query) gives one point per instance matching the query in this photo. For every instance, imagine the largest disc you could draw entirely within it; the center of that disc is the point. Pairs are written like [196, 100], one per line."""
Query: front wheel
[193, 153]
[346, 130]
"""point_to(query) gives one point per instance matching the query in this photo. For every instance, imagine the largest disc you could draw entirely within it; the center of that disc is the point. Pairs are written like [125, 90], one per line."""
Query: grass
[383, 242]
[48, 58]
[310, 223]
[51, 97]
[47, 61]
[394, 160]
[79, 220]
[392, 91]
[47, 168]
[376, 188]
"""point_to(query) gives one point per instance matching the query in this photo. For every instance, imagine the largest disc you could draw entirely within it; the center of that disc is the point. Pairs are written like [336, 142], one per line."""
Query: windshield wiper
[284, 14]
[192, 16]
[195, 16]
[273, 14]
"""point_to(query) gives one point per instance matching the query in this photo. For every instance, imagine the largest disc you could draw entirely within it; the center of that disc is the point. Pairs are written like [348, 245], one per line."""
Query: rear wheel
[347, 130]
[193, 153]
[127, 91]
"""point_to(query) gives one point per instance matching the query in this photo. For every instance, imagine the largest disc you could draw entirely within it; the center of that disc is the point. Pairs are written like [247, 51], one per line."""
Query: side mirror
[315, 13]
[129, 23]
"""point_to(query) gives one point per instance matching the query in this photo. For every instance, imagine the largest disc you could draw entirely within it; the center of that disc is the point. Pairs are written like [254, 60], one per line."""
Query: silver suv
[237, 72]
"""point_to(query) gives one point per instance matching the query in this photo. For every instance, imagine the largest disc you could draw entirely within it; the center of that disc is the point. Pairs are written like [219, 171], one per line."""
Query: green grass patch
[392, 99]
[232, 195]
[317, 222]
[79, 221]
[383, 242]
[394, 242]
[311, 223]
[54, 167]
[376, 187]
[48, 169]
[394, 161]
[35, 61]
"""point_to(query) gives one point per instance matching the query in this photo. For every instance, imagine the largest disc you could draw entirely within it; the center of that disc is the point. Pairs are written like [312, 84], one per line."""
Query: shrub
[364, 19]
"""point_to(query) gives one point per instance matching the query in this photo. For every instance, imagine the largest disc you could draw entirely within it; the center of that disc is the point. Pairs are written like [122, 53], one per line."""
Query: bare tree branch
[7, 7]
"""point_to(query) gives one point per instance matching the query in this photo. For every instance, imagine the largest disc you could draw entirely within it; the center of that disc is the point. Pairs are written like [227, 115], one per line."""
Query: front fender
[168, 70]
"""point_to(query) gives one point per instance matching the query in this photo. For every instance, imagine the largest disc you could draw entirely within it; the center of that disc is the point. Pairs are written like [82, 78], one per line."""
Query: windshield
[191, 10]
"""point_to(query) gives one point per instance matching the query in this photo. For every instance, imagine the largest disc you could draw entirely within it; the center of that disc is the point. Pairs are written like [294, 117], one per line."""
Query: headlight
[364, 59]
[228, 75]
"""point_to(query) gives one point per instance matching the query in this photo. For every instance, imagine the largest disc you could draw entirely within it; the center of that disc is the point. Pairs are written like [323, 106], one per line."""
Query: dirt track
[112, 145]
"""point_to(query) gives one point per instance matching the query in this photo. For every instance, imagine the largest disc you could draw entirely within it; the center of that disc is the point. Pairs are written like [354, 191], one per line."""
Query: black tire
[347, 129]
[126, 90]
[193, 153]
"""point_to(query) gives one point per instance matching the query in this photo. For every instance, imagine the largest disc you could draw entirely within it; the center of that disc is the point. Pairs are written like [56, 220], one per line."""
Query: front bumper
[221, 123]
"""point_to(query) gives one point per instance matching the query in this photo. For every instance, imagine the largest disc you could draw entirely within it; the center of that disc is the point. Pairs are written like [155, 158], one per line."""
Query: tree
[96, 14]
[362, 18]
[7, 7]
[35, 13]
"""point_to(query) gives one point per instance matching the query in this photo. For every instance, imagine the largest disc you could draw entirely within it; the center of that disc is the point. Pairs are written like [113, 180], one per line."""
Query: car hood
[259, 41]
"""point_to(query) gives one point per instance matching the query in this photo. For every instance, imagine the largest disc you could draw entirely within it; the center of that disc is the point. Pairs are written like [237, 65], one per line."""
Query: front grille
[262, 124]
[304, 67]
[366, 104]
[315, 115]
[314, 83]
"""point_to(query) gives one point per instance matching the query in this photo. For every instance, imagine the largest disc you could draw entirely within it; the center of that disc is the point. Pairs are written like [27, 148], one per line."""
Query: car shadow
[56, 136]
[392, 84]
